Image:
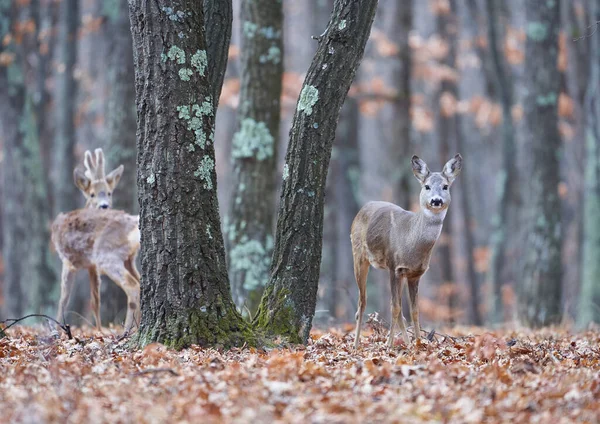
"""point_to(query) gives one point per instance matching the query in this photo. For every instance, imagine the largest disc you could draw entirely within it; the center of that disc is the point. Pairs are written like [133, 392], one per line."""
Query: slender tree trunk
[66, 197]
[120, 141]
[28, 270]
[254, 151]
[540, 294]
[508, 176]
[288, 305]
[589, 309]
[185, 295]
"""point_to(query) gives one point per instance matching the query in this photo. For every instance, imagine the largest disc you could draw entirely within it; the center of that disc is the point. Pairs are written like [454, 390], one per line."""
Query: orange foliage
[384, 46]
[422, 119]
[514, 48]
[566, 106]
[448, 104]
[481, 258]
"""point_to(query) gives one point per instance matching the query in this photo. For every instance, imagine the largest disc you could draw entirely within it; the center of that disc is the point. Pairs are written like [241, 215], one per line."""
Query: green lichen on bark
[252, 257]
[199, 61]
[205, 170]
[537, 31]
[253, 140]
[308, 98]
[176, 54]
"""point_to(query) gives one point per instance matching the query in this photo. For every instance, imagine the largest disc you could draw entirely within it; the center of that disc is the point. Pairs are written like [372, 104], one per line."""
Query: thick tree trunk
[218, 15]
[288, 306]
[540, 294]
[185, 295]
[66, 197]
[589, 309]
[254, 151]
[120, 141]
[507, 178]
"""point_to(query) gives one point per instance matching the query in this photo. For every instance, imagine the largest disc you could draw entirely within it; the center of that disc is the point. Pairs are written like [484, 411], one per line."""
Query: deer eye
[92, 195]
[109, 194]
[427, 187]
[446, 187]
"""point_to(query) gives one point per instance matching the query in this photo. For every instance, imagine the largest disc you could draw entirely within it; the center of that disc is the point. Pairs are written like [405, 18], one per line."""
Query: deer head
[94, 184]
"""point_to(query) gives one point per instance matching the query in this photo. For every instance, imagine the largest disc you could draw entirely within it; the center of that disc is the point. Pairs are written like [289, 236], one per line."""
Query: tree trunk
[185, 295]
[288, 306]
[28, 270]
[507, 178]
[120, 142]
[66, 197]
[254, 151]
[589, 310]
[540, 297]
[218, 15]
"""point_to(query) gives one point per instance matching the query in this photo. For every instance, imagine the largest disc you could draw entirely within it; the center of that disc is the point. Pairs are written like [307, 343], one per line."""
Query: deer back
[84, 236]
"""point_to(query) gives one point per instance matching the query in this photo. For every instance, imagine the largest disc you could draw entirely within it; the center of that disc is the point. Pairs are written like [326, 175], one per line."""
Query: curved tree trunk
[254, 151]
[120, 143]
[185, 295]
[218, 15]
[540, 295]
[288, 305]
[66, 197]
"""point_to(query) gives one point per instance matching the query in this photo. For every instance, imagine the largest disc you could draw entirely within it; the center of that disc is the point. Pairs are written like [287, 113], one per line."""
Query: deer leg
[413, 291]
[131, 286]
[400, 319]
[95, 294]
[361, 271]
[66, 287]
[130, 266]
[396, 306]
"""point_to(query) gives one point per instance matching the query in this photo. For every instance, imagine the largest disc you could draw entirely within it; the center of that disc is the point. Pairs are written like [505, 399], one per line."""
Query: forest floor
[549, 375]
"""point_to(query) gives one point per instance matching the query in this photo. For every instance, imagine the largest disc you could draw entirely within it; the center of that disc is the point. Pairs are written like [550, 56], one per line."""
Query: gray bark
[288, 306]
[185, 295]
[540, 292]
[254, 151]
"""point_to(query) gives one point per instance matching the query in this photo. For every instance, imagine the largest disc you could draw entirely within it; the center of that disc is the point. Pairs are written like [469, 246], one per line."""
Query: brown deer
[103, 242]
[94, 184]
[388, 237]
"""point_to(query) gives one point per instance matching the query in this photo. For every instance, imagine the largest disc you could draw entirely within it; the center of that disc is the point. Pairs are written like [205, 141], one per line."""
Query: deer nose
[437, 202]
[104, 206]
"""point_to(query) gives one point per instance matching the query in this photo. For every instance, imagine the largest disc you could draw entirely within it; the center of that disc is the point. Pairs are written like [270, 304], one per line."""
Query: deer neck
[430, 223]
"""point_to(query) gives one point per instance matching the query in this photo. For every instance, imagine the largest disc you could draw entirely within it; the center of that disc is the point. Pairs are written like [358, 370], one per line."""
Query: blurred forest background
[438, 77]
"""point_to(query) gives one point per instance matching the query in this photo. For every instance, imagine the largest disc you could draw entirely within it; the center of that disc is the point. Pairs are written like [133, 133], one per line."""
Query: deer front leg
[397, 280]
[413, 291]
[95, 294]
[66, 287]
[361, 270]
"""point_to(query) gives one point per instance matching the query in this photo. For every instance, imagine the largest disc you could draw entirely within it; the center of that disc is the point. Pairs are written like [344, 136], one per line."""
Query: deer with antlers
[388, 237]
[99, 239]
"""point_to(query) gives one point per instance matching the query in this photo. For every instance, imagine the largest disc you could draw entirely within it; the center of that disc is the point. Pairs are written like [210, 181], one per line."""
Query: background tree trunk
[288, 305]
[254, 151]
[507, 187]
[540, 297]
[185, 290]
[589, 309]
[120, 141]
[66, 196]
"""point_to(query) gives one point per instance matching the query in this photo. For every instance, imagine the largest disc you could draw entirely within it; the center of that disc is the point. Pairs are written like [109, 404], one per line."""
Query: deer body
[388, 237]
[103, 242]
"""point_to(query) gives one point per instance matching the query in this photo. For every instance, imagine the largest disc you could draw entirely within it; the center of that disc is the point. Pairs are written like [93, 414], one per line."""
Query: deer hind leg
[131, 267]
[66, 287]
[118, 273]
[413, 291]
[361, 271]
[95, 295]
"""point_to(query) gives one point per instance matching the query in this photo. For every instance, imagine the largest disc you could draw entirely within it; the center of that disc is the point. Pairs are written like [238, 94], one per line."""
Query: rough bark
[254, 151]
[185, 295]
[589, 308]
[288, 305]
[506, 185]
[540, 292]
[218, 15]
[66, 197]
[120, 142]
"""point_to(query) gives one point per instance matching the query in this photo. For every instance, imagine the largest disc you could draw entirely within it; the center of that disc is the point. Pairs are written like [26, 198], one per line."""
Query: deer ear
[452, 168]
[90, 165]
[99, 163]
[420, 169]
[113, 178]
[81, 180]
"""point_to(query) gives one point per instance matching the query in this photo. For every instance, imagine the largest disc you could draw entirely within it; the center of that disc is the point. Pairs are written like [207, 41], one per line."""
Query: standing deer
[103, 242]
[94, 184]
[388, 237]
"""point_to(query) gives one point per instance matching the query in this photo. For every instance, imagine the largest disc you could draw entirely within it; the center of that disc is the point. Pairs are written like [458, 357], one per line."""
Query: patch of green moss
[279, 319]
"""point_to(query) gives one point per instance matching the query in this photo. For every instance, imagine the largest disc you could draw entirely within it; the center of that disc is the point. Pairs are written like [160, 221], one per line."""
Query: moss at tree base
[276, 316]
